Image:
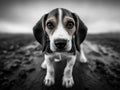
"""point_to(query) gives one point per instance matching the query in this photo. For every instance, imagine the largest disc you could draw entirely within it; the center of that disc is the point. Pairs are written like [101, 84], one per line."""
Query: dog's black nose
[60, 43]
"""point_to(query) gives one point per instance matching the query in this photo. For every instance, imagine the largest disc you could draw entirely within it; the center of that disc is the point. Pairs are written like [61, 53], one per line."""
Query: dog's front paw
[49, 80]
[68, 82]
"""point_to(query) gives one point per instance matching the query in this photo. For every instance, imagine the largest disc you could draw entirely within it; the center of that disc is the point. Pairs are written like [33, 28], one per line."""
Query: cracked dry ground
[21, 57]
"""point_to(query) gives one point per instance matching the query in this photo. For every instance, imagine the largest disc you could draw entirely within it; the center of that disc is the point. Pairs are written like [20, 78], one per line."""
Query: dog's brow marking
[60, 15]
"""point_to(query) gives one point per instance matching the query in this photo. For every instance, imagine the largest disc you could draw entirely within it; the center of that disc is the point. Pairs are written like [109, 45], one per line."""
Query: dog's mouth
[65, 49]
[60, 47]
[61, 50]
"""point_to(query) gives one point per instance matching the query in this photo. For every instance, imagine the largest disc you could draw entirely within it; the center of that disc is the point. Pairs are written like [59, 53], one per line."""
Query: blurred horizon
[19, 16]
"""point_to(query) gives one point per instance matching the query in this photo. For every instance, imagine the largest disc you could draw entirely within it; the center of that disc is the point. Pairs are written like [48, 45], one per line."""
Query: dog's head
[60, 30]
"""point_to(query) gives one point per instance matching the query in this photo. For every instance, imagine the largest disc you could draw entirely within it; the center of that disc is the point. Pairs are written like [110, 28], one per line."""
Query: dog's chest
[60, 56]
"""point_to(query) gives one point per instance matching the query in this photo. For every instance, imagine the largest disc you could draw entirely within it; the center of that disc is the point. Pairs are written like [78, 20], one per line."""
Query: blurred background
[19, 16]
[21, 55]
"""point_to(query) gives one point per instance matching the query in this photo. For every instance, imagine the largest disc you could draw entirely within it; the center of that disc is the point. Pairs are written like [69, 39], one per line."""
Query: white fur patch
[83, 58]
[60, 33]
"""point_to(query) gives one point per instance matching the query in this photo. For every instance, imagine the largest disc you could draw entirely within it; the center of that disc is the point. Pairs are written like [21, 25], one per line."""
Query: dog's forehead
[53, 13]
[56, 13]
[66, 12]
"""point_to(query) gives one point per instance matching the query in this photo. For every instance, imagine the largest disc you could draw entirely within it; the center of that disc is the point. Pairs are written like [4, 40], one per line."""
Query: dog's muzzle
[60, 44]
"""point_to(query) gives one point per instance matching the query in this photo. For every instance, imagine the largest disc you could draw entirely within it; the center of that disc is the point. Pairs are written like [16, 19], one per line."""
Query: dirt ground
[21, 58]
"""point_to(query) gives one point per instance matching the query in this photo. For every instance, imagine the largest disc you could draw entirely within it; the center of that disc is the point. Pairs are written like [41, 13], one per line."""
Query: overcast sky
[19, 16]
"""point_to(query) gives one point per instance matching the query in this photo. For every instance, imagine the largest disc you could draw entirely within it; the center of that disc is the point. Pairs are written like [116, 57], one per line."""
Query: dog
[61, 33]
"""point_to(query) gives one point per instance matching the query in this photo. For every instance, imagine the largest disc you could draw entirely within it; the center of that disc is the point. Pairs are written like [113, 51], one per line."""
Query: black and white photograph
[59, 44]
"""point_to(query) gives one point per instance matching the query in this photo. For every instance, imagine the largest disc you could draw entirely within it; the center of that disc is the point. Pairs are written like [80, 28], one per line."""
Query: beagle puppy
[60, 32]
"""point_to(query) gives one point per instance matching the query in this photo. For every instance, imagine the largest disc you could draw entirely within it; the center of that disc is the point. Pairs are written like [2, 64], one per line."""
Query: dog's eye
[70, 25]
[50, 25]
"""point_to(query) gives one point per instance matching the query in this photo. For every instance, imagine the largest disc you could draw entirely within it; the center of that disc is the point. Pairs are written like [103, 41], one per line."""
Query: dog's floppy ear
[39, 32]
[81, 31]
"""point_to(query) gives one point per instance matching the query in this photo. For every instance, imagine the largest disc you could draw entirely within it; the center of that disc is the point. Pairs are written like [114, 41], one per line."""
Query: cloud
[22, 15]
[14, 27]
[103, 26]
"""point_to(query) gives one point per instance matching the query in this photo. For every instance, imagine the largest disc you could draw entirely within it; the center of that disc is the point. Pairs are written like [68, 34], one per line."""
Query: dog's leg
[68, 78]
[49, 78]
[83, 58]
